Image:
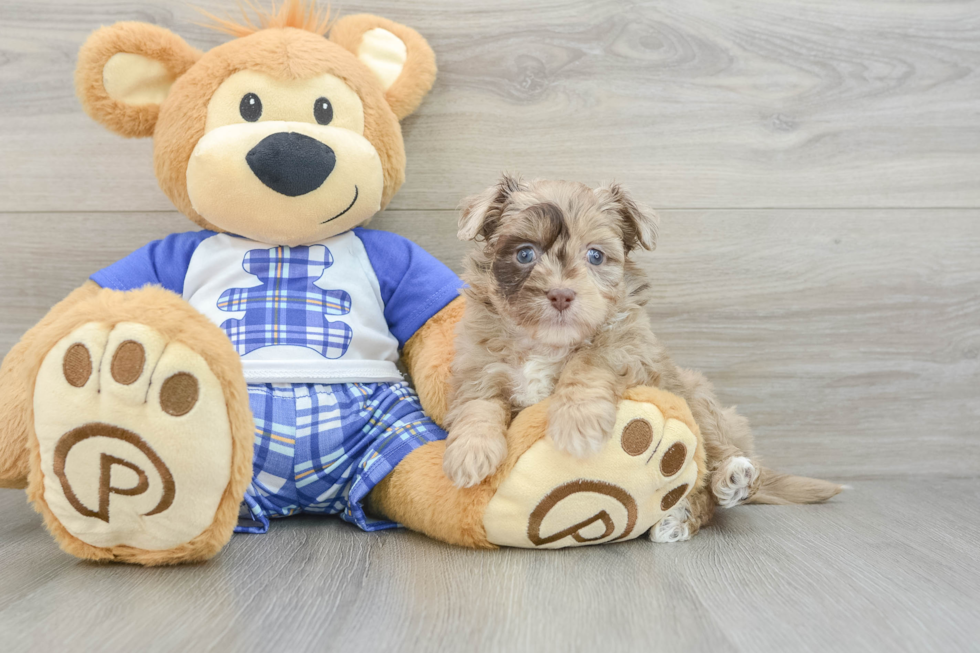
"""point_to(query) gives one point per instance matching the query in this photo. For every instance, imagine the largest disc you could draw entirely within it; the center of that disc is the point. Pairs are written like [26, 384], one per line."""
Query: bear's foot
[652, 461]
[134, 444]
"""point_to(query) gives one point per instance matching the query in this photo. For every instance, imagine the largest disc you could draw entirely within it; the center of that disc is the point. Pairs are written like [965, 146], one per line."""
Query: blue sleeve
[414, 284]
[162, 262]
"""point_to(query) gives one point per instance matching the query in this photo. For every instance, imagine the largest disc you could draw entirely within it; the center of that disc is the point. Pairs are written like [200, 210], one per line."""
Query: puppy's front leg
[477, 441]
[583, 407]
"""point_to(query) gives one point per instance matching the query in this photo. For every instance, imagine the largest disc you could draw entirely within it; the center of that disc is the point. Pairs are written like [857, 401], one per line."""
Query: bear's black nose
[290, 163]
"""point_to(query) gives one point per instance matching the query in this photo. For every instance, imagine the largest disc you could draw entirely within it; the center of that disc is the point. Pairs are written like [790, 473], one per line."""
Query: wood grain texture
[849, 338]
[770, 103]
[817, 163]
[866, 572]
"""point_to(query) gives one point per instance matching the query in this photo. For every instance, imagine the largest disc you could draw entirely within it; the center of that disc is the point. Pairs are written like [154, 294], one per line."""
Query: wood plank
[770, 103]
[862, 573]
[851, 339]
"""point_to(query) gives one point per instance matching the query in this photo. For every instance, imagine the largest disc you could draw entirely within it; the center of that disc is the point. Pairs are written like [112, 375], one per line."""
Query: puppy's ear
[398, 56]
[125, 71]
[479, 215]
[640, 224]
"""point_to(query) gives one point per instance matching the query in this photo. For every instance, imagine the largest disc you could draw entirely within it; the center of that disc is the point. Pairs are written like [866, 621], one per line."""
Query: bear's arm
[428, 355]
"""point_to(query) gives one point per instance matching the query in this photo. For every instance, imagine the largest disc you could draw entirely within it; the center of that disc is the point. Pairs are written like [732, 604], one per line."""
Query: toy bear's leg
[541, 497]
[135, 417]
[417, 494]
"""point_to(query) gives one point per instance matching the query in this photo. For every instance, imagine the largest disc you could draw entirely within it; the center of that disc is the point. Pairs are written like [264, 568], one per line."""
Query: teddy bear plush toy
[218, 378]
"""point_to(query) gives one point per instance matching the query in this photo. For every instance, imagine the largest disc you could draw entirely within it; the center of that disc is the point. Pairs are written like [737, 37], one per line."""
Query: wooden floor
[816, 164]
[882, 569]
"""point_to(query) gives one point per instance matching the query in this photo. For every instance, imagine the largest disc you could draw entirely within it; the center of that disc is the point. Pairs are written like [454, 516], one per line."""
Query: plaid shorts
[322, 448]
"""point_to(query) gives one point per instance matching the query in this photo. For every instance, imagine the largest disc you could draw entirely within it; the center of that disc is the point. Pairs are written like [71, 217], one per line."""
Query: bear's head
[283, 135]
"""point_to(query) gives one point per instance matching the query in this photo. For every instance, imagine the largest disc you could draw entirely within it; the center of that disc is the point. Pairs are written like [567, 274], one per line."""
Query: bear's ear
[125, 71]
[397, 55]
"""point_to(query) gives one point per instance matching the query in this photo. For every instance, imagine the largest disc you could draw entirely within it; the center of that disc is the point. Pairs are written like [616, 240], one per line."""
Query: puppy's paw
[580, 428]
[473, 456]
[674, 526]
[734, 481]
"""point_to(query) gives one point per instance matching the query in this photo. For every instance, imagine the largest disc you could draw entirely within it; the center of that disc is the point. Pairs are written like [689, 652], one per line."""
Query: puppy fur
[515, 347]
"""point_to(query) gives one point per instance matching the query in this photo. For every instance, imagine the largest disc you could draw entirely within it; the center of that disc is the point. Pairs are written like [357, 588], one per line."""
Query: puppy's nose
[561, 298]
[291, 164]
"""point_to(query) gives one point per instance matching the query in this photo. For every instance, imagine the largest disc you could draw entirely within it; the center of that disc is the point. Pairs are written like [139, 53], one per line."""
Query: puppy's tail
[782, 489]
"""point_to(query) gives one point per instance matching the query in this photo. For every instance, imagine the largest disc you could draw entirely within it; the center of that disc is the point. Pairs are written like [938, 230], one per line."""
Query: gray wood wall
[816, 164]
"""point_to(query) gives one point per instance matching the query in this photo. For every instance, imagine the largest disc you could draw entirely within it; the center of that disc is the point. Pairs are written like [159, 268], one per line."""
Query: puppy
[555, 307]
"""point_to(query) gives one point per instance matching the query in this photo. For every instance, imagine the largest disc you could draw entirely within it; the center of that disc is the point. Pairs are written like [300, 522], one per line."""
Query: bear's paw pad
[134, 437]
[552, 499]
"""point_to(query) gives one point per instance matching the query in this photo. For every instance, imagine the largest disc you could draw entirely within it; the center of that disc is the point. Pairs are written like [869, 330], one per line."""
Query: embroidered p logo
[583, 531]
[107, 463]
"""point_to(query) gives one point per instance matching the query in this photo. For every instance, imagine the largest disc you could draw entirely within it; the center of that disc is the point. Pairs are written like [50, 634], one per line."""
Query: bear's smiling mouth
[349, 207]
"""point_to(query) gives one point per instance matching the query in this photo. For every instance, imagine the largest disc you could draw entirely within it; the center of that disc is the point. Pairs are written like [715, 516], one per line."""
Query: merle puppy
[555, 307]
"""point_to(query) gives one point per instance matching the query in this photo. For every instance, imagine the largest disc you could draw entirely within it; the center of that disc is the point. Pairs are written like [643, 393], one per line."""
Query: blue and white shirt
[336, 311]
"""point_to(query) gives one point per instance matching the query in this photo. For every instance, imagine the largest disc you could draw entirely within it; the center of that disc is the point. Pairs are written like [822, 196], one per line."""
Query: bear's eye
[323, 111]
[595, 257]
[251, 107]
[525, 255]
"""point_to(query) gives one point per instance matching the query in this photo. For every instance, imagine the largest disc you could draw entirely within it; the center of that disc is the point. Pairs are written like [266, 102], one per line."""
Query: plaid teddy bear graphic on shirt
[287, 309]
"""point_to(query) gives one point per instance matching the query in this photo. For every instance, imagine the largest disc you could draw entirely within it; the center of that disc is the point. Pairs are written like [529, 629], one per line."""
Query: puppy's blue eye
[596, 257]
[525, 255]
